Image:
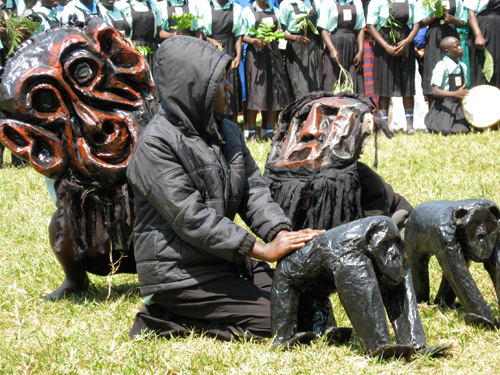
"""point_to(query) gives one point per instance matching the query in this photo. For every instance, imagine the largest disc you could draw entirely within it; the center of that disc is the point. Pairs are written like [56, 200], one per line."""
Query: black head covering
[189, 98]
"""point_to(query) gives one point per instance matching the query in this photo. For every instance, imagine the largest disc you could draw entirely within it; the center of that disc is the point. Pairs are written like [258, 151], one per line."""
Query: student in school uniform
[177, 7]
[395, 54]
[120, 19]
[342, 23]
[455, 16]
[146, 29]
[266, 81]
[80, 11]
[304, 54]
[47, 10]
[448, 82]
[484, 20]
[221, 23]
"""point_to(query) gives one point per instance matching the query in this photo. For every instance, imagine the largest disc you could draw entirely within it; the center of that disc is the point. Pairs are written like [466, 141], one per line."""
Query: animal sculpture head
[73, 101]
[477, 229]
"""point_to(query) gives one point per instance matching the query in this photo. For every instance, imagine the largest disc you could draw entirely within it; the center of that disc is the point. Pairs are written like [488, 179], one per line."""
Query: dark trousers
[227, 308]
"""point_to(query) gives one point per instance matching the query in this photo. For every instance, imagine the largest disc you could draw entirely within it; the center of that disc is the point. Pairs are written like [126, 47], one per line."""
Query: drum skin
[481, 108]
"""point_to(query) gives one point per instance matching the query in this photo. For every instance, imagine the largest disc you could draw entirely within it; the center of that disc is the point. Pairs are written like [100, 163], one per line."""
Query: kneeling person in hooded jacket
[192, 173]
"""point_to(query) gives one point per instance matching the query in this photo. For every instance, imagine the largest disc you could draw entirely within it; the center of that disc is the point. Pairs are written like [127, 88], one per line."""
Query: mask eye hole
[83, 72]
[45, 100]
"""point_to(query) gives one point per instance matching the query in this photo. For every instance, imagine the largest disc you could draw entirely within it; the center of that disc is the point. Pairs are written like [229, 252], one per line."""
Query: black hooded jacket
[191, 175]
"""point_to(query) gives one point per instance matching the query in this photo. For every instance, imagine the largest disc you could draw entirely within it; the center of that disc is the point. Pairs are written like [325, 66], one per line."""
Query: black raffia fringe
[335, 194]
[100, 215]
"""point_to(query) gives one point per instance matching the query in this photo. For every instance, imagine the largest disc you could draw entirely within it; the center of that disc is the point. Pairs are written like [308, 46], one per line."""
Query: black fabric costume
[433, 54]
[144, 34]
[191, 174]
[344, 40]
[222, 32]
[121, 25]
[304, 62]
[265, 78]
[395, 75]
[338, 193]
[446, 115]
[100, 217]
[489, 23]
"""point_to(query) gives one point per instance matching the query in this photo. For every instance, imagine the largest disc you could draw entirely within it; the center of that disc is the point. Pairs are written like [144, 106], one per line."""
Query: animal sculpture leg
[402, 309]
[419, 266]
[456, 271]
[492, 266]
[359, 293]
[445, 295]
[284, 311]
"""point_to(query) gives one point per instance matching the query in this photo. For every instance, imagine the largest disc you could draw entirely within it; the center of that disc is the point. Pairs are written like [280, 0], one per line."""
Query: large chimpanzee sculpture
[456, 233]
[73, 104]
[363, 262]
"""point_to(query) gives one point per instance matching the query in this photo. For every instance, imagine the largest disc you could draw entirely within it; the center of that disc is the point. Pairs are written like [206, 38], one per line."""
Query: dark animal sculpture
[73, 104]
[456, 232]
[363, 262]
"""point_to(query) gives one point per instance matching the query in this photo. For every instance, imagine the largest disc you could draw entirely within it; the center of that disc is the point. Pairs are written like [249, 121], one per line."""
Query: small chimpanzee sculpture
[73, 103]
[363, 262]
[456, 232]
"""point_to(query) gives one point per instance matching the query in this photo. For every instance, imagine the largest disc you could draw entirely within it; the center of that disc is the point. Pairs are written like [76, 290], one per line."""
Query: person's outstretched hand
[284, 243]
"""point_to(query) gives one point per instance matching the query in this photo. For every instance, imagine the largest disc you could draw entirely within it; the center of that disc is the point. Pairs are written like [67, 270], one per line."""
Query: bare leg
[233, 118]
[409, 103]
[76, 276]
[383, 103]
[250, 124]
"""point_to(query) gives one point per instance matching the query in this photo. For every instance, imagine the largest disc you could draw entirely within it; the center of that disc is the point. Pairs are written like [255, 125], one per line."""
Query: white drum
[482, 106]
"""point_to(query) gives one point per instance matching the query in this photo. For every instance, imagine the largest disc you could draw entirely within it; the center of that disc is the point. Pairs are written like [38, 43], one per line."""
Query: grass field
[87, 333]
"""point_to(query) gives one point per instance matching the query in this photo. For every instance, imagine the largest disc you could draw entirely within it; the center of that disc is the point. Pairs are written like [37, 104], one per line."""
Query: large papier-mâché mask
[73, 99]
[323, 132]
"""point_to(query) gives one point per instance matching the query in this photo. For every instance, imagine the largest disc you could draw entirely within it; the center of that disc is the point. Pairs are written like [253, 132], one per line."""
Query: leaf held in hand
[488, 66]
[265, 32]
[183, 21]
[344, 81]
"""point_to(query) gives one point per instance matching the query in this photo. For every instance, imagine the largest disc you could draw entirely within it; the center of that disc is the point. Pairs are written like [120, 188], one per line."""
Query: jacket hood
[187, 75]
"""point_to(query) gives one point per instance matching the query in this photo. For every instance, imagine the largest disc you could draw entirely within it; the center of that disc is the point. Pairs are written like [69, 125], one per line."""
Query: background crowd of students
[373, 40]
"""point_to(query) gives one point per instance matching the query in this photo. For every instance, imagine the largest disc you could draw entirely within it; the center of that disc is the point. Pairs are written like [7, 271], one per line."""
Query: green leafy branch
[143, 50]
[17, 27]
[344, 81]
[303, 22]
[265, 32]
[394, 25]
[436, 6]
[183, 21]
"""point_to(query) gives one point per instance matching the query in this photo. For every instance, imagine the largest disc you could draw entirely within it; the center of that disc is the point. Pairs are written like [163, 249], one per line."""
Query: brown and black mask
[75, 100]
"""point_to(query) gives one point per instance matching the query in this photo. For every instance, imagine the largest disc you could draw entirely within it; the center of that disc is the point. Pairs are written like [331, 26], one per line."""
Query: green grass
[86, 333]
